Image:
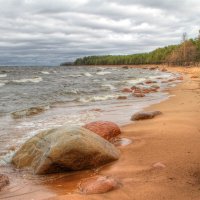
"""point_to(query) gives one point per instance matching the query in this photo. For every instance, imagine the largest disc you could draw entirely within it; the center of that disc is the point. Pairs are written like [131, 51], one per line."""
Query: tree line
[185, 53]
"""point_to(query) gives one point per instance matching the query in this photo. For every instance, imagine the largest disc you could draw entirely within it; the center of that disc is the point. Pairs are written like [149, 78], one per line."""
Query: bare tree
[184, 37]
[199, 35]
[184, 54]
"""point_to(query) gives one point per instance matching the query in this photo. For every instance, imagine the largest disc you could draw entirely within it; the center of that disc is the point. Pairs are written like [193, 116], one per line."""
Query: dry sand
[163, 162]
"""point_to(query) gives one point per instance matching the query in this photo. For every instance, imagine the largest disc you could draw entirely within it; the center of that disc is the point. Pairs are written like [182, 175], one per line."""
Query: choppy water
[70, 95]
[23, 87]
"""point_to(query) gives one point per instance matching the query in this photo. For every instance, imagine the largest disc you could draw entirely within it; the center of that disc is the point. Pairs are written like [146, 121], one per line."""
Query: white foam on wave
[109, 86]
[97, 98]
[75, 75]
[87, 74]
[3, 75]
[135, 81]
[74, 91]
[160, 76]
[4, 160]
[103, 73]
[2, 84]
[33, 80]
[44, 72]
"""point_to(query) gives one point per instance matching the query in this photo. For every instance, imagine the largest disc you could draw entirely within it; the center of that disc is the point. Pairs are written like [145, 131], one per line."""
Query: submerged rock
[134, 87]
[64, 149]
[164, 70]
[155, 87]
[127, 90]
[145, 115]
[153, 68]
[121, 97]
[145, 90]
[180, 78]
[125, 67]
[4, 180]
[96, 110]
[29, 112]
[150, 82]
[138, 95]
[98, 185]
[107, 130]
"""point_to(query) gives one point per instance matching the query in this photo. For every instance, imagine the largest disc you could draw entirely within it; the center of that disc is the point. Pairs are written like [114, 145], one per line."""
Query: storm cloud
[48, 32]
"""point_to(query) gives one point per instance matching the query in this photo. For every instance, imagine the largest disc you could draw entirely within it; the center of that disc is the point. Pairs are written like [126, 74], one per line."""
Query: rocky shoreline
[106, 132]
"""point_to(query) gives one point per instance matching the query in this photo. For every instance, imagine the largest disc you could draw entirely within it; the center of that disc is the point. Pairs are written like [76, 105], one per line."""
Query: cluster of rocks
[138, 91]
[149, 86]
[179, 78]
[68, 149]
[74, 148]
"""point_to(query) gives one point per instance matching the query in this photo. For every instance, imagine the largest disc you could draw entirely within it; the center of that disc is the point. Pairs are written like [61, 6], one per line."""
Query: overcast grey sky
[48, 32]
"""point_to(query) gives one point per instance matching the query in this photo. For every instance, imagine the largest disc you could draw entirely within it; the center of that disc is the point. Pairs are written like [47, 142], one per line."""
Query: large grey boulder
[64, 149]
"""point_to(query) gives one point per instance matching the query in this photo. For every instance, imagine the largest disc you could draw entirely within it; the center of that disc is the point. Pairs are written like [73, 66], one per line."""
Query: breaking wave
[3, 75]
[33, 80]
[96, 98]
[103, 73]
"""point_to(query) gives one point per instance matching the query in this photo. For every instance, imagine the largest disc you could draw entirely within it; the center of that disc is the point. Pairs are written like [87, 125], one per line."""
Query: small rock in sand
[145, 115]
[4, 181]
[98, 185]
[107, 130]
[194, 76]
[159, 165]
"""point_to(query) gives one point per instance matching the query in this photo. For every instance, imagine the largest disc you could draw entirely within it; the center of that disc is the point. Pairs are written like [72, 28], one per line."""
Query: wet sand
[163, 160]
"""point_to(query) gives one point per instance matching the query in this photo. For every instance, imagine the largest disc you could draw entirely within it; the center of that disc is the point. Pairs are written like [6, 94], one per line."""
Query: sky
[49, 32]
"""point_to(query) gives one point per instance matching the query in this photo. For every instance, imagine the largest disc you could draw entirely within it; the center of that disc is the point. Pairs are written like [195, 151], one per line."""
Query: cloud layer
[48, 32]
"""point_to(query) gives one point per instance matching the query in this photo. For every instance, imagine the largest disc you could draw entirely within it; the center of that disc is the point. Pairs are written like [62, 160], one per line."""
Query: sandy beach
[163, 160]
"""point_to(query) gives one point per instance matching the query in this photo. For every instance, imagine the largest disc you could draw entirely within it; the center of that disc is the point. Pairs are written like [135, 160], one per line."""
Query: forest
[185, 53]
